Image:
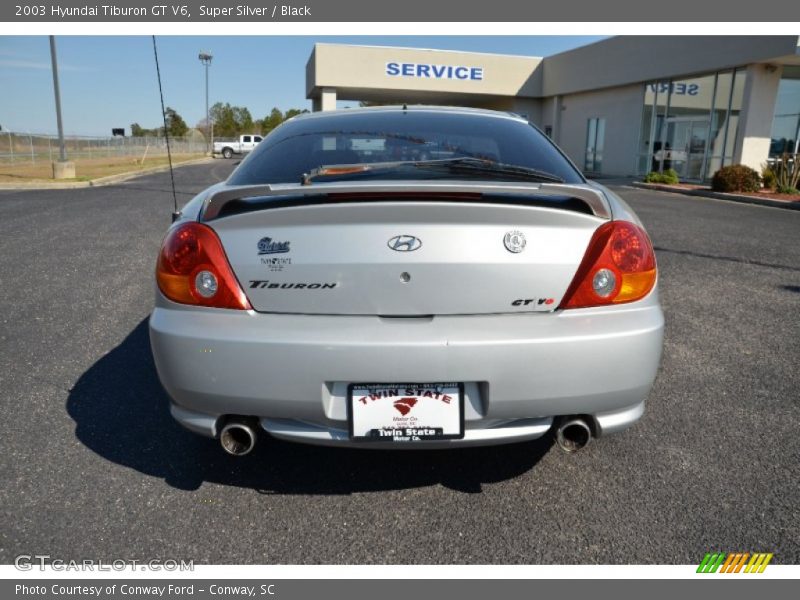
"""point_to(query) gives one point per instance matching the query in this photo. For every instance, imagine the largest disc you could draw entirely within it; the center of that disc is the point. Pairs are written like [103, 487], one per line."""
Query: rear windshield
[301, 145]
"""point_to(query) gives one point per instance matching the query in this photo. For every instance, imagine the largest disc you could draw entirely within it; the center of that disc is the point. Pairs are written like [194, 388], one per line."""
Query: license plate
[406, 412]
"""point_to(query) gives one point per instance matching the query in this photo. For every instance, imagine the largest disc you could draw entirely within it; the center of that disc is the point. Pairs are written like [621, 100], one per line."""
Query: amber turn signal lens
[192, 268]
[619, 266]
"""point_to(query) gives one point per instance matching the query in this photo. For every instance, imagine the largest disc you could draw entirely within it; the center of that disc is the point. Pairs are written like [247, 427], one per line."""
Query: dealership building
[619, 107]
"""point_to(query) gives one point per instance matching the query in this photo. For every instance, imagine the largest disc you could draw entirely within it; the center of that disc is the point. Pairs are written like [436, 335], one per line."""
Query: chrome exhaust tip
[573, 434]
[238, 437]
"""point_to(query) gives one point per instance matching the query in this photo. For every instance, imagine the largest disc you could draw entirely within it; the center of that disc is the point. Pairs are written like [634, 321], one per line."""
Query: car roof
[416, 108]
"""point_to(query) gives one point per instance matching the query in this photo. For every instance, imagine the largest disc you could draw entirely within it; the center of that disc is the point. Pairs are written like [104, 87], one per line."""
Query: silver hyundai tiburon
[406, 277]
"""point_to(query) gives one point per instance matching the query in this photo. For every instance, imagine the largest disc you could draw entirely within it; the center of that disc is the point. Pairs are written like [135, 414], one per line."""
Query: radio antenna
[175, 212]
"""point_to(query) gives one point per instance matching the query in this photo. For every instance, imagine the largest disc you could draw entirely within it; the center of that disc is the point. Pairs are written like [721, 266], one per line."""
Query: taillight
[619, 266]
[192, 269]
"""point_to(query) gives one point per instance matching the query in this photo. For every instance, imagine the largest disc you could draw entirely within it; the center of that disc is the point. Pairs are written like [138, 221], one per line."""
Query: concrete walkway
[743, 198]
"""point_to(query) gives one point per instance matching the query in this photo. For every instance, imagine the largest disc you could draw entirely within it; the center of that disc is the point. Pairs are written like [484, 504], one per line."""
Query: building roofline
[437, 50]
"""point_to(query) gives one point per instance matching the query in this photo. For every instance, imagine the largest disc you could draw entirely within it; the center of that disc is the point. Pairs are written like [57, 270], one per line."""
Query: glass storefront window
[647, 118]
[737, 99]
[595, 138]
[688, 122]
[655, 105]
[719, 123]
[690, 125]
[786, 123]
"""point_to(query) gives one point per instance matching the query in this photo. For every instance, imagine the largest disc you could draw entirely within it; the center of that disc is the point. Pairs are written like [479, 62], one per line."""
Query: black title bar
[403, 589]
[194, 11]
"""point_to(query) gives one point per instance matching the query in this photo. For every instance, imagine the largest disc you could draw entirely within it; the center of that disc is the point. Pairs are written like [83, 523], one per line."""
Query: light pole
[205, 59]
[62, 169]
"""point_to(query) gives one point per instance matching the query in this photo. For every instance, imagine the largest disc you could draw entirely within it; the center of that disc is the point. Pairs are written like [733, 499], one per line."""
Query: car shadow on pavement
[121, 413]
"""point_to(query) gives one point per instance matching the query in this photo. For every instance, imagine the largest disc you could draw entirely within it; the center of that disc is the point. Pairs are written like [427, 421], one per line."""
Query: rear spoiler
[594, 199]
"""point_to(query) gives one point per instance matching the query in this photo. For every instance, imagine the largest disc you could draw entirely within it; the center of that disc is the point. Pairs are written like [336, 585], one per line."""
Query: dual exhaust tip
[238, 435]
[573, 434]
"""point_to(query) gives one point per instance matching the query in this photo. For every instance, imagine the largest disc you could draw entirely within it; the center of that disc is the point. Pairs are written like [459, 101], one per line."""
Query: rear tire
[227, 152]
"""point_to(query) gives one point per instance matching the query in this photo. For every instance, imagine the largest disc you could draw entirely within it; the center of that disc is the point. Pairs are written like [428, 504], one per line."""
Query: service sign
[406, 412]
[432, 71]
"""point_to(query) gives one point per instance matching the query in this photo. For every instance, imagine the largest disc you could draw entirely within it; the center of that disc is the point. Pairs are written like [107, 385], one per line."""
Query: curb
[100, 181]
[785, 204]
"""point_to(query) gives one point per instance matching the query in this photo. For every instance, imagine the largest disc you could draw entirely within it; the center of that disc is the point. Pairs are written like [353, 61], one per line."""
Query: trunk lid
[406, 258]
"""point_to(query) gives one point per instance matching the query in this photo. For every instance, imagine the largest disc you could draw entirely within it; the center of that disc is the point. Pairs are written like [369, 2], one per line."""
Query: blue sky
[111, 81]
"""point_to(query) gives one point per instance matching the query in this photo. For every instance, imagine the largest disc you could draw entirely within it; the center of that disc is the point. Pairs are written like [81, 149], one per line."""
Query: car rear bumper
[520, 370]
[503, 432]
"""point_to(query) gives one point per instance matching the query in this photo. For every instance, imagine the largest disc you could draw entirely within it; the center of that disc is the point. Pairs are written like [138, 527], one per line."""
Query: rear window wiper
[489, 167]
[463, 165]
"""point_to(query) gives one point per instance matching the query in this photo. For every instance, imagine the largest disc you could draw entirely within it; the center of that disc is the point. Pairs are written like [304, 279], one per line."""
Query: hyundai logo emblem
[405, 243]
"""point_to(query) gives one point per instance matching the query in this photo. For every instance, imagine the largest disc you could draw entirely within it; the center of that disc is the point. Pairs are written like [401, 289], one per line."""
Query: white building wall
[550, 117]
[326, 100]
[361, 73]
[621, 108]
[627, 59]
[755, 120]
[529, 108]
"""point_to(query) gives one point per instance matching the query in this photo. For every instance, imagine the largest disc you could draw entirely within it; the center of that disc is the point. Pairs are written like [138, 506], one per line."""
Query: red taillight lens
[192, 269]
[619, 266]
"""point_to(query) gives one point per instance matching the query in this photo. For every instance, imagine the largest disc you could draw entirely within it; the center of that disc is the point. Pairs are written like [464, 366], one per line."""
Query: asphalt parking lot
[93, 466]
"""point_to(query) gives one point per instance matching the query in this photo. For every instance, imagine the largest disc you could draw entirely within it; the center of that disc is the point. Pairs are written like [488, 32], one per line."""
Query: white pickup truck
[246, 144]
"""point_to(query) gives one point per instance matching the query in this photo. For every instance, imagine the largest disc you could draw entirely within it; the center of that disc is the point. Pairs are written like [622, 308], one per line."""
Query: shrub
[787, 171]
[787, 189]
[768, 177]
[653, 177]
[669, 177]
[736, 178]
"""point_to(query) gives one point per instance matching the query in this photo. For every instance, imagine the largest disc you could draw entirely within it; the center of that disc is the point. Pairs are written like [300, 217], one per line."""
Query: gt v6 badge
[404, 243]
[534, 301]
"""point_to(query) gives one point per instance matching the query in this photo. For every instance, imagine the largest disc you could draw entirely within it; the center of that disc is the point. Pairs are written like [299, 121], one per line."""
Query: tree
[224, 120]
[276, 117]
[176, 126]
[243, 118]
[293, 112]
[205, 126]
[271, 121]
[231, 121]
[139, 131]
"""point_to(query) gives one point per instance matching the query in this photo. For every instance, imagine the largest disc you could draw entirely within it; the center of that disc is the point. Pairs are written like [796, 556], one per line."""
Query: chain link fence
[31, 148]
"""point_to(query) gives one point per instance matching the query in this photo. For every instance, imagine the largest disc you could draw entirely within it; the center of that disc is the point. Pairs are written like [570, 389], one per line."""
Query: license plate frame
[373, 436]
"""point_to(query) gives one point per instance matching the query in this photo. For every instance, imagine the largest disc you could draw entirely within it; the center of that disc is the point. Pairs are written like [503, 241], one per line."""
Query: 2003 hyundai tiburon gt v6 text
[406, 278]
